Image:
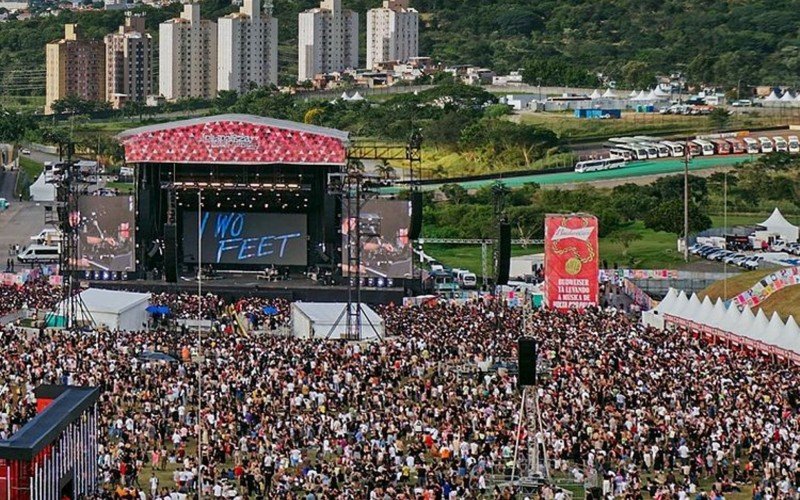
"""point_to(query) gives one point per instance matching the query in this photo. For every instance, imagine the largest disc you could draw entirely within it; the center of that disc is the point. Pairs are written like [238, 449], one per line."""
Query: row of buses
[624, 149]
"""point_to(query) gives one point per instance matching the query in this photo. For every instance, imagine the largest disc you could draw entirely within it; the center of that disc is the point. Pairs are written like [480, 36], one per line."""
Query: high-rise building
[392, 33]
[187, 64]
[247, 44]
[75, 67]
[327, 40]
[129, 72]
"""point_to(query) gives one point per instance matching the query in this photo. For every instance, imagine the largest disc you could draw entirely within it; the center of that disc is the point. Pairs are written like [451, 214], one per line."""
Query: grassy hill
[561, 43]
[786, 302]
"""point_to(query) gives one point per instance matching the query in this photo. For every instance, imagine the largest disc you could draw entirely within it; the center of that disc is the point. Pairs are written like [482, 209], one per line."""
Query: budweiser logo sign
[563, 233]
[228, 141]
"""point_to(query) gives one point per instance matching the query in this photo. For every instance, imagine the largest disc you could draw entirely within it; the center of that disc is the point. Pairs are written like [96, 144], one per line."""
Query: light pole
[686, 158]
[199, 345]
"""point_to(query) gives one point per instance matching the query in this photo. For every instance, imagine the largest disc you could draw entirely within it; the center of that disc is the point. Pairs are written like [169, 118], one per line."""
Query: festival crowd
[636, 410]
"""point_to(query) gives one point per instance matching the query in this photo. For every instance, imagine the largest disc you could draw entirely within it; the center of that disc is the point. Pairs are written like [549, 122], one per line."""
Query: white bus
[675, 148]
[625, 154]
[752, 144]
[637, 152]
[766, 144]
[794, 144]
[780, 144]
[599, 165]
[652, 151]
[706, 147]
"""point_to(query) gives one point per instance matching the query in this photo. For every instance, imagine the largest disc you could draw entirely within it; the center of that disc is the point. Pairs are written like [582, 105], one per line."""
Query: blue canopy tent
[163, 310]
[270, 310]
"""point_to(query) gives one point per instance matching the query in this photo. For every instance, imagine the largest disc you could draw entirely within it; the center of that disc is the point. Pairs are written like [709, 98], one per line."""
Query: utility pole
[686, 158]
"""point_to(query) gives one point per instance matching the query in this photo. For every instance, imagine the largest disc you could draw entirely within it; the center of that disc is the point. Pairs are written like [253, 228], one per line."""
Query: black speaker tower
[526, 351]
[416, 215]
[503, 255]
[171, 253]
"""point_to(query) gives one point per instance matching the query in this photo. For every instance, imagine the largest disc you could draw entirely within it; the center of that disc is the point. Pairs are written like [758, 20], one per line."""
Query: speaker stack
[415, 228]
[526, 352]
[171, 253]
[503, 255]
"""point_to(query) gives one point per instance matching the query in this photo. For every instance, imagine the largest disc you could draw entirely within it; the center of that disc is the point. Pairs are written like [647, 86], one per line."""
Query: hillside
[714, 41]
[735, 285]
[785, 301]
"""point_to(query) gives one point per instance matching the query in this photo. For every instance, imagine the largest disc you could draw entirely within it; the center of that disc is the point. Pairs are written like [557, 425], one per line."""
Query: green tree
[625, 238]
[668, 216]
[719, 118]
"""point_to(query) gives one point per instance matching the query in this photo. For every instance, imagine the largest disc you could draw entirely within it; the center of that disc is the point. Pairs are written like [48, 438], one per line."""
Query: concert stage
[243, 284]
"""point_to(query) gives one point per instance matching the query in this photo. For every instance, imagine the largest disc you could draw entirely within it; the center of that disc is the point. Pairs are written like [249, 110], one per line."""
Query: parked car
[25, 151]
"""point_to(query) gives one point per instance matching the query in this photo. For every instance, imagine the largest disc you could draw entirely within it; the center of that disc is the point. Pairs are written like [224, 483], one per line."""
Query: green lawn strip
[29, 171]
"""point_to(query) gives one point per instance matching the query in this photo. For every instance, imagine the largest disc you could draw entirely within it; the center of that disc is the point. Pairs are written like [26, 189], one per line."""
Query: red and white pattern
[233, 142]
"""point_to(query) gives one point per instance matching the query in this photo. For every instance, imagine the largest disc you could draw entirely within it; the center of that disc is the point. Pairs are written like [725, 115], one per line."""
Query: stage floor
[236, 285]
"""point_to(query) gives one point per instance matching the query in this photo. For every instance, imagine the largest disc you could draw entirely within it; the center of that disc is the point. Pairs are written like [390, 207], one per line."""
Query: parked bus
[694, 149]
[637, 152]
[652, 151]
[753, 145]
[625, 154]
[663, 151]
[675, 148]
[780, 144]
[737, 146]
[721, 146]
[794, 144]
[766, 144]
[599, 165]
[706, 148]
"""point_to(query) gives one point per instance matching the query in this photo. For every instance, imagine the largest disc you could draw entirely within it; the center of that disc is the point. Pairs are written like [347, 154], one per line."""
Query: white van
[766, 144]
[794, 144]
[468, 280]
[39, 254]
[780, 144]
[47, 236]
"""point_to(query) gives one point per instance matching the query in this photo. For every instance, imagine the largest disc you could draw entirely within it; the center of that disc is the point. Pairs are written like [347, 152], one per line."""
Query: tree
[384, 169]
[719, 118]
[668, 216]
[625, 238]
[455, 193]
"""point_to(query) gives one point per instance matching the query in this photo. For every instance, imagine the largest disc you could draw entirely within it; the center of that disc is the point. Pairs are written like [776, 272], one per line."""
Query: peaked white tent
[772, 96]
[797, 97]
[652, 96]
[609, 94]
[774, 331]
[742, 325]
[595, 95]
[328, 320]
[659, 92]
[112, 309]
[717, 318]
[633, 94]
[777, 224]
[42, 191]
[355, 97]
[787, 97]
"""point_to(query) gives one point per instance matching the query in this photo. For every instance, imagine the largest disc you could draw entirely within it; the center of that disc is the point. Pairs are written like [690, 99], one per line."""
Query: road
[633, 170]
[7, 182]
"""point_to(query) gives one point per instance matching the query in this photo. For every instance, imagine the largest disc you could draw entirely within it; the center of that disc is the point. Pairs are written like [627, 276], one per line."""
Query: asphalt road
[7, 182]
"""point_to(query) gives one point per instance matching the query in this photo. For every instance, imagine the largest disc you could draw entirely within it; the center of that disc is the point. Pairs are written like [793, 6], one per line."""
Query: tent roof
[595, 95]
[787, 96]
[111, 301]
[666, 305]
[741, 326]
[772, 96]
[717, 319]
[609, 94]
[775, 330]
[326, 315]
[633, 93]
[777, 220]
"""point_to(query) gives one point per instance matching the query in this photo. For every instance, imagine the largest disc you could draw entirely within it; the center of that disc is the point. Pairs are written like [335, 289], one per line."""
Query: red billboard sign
[571, 261]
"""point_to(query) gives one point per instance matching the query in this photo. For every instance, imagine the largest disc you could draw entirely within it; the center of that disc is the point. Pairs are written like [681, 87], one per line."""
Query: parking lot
[786, 255]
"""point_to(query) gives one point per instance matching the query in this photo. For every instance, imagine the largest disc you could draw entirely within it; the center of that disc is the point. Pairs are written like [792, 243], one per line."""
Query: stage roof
[235, 139]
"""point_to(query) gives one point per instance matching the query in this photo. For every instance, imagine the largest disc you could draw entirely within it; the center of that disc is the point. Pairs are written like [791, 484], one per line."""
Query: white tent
[659, 92]
[609, 94]
[759, 327]
[681, 302]
[42, 191]
[112, 309]
[743, 325]
[633, 94]
[328, 320]
[692, 312]
[595, 95]
[797, 97]
[354, 97]
[717, 318]
[772, 96]
[731, 320]
[652, 96]
[774, 331]
[642, 96]
[777, 224]
[666, 305]
[787, 97]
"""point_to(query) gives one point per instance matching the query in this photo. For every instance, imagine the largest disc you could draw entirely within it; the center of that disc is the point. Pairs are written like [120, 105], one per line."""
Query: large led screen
[385, 246]
[106, 233]
[246, 238]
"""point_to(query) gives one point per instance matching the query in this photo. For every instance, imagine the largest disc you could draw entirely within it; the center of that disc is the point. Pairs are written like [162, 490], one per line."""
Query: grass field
[655, 250]
[786, 302]
[570, 128]
[29, 171]
[123, 187]
[734, 285]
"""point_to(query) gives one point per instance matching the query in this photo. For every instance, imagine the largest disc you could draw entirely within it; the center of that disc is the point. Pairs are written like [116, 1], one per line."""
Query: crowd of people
[636, 410]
